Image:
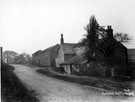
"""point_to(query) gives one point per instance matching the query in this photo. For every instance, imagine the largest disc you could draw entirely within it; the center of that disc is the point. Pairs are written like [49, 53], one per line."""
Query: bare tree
[122, 37]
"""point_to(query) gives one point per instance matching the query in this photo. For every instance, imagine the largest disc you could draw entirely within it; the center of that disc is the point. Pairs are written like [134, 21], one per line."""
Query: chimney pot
[110, 27]
[109, 31]
[62, 39]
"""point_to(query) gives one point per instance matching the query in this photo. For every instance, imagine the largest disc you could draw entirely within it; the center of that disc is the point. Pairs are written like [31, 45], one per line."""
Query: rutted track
[54, 90]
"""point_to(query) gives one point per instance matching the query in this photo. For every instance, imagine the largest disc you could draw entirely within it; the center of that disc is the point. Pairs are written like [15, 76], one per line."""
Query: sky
[32, 25]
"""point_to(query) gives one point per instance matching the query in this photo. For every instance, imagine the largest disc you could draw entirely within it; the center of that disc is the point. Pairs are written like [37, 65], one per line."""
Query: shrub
[93, 70]
[59, 69]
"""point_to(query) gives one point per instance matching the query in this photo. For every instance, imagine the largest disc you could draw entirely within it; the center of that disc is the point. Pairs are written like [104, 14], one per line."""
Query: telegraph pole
[0, 67]
[0, 57]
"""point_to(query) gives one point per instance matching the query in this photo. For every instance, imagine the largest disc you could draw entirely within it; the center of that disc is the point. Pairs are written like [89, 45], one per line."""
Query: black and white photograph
[67, 51]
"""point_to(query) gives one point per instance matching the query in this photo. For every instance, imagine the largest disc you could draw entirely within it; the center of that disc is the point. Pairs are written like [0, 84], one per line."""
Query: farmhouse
[70, 59]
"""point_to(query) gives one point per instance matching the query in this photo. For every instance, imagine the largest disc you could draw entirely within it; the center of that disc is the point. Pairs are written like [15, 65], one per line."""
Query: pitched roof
[37, 52]
[78, 59]
[50, 48]
[68, 48]
[113, 41]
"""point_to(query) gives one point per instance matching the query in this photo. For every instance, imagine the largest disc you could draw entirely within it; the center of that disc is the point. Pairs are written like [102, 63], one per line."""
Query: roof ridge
[49, 48]
[69, 43]
[37, 52]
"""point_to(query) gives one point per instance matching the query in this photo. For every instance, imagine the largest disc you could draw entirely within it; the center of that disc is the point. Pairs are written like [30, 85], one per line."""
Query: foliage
[8, 56]
[23, 58]
[107, 48]
[91, 38]
[94, 70]
[125, 73]
[13, 57]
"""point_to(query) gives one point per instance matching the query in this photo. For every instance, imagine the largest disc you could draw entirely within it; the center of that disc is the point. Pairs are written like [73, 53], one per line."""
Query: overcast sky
[31, 25]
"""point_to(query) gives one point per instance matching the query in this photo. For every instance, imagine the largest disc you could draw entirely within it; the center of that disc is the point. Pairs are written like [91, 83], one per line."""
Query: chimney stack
[62, 39]
[109, 31]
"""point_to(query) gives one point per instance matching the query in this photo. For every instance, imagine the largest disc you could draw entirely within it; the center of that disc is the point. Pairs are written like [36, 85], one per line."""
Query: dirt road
[54, 90]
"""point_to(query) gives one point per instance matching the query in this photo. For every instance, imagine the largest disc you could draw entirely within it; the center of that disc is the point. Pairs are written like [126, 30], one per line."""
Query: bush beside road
[90, 81]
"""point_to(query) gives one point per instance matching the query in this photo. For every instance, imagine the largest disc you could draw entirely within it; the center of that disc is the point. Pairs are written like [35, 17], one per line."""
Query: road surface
[55, 90]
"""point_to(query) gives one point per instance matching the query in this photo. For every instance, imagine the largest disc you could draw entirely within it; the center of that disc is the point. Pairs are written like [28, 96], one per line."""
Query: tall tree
[94, 30]
[91, 37]
[97, 39]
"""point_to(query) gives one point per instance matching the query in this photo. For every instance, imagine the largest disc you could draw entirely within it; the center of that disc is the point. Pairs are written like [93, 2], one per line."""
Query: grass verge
[96, 82]
[12, 89]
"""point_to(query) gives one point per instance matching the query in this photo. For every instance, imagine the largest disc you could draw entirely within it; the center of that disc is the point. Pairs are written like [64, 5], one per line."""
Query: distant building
[131, 55]
[46, 57]
[35, 57]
